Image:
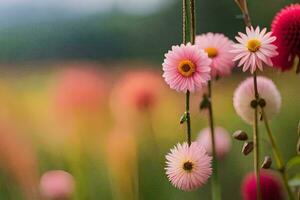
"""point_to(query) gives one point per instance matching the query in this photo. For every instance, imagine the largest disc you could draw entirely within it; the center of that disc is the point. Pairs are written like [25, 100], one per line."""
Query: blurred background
[85, 113]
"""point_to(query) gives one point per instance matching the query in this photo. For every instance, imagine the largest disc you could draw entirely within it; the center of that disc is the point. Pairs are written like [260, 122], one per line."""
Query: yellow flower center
[188, 166]
[186, 68]
[253, 45]
[211, 52]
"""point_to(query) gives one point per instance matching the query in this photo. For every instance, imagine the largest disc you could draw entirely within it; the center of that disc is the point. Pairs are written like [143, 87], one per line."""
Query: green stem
[188, 118]
[256, 141]
[277, 154]
[185, 20]
[188, 34]
[247, 20]
[193, 21]
[216, 188]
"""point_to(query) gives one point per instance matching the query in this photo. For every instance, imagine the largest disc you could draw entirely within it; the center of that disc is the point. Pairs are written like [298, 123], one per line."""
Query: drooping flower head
[286, 27]
[188, 167]
[254, 49]
[218, 47]
[244, 94]
[271, 188]
[222, 141]
[186, 67]
[57, 184]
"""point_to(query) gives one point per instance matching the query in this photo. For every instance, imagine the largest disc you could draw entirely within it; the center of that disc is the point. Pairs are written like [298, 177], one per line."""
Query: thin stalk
[247, 20]
[188, 28]
[188, 118]
[192, 21]
[256, 141]
[184, 21]
[277, 154]
[216, 188]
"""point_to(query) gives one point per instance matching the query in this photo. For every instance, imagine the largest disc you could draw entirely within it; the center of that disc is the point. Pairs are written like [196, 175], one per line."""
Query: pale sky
[137, 6]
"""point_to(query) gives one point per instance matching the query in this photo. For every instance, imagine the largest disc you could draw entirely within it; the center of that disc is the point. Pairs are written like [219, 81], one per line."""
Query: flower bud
[247, 148]
[240, 135]
[267, 162]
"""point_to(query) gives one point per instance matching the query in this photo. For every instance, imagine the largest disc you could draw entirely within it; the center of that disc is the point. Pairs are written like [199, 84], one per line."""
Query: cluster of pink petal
[253, 60]
[286, 27]
[222, 141]
[195, 154]
[271, 187]
[175, 79]
[222, 63]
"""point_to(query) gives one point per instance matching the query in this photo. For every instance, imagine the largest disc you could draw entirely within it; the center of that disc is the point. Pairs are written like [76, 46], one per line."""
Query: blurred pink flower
[244, 94]
[136, 92]
[57, 184]
[286, 27]
[79, 90]
[222, 141]
[218, 47]
[271, 187]
[186, 67]
[188, 167]
[255, 48]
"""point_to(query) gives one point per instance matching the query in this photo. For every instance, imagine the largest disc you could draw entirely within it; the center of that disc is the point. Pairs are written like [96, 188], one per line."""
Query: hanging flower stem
[188, 118]
[188, 35]
[256, 140]
[216, 188]
[277, 154]
[247, 20]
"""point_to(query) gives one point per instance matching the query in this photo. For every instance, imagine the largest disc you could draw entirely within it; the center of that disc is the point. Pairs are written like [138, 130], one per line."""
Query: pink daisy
[217, 46]
[244, 94]
[271, 187]
[57, 184]
[188, 167]
[255, 48]
[286, 28]
[222, 141]
[186, 67]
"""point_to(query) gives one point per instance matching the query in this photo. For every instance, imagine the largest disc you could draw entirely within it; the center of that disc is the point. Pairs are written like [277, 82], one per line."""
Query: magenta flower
[217, 46]
[255, 48]
[286, 27]
[222, 141]
[188, 167]
[244, 94]
[186, 67]
[271, 188]
[57, 184]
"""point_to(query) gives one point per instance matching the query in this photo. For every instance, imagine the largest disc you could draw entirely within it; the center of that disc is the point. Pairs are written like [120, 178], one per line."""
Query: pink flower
[186, 67]
[222, 141]
[138, 90]
[271, 188]
[79, 90]
[244, 94]
[254, 48]
[217, 46]
[188, 167]
[286, 27]
[57, 184]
